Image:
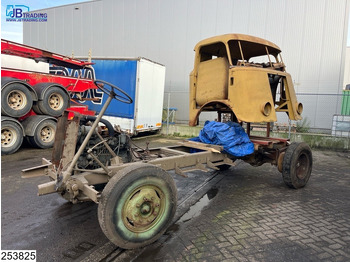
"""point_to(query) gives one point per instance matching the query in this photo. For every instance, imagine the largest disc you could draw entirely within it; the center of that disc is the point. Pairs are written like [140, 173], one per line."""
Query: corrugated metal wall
[347, 68]
[311, 33]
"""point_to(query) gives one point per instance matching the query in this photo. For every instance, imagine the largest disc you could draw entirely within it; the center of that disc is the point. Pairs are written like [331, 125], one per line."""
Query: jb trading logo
[20, 13]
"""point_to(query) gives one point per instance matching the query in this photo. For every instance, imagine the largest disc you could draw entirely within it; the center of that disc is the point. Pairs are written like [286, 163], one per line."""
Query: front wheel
[297, 165]
[137, 205]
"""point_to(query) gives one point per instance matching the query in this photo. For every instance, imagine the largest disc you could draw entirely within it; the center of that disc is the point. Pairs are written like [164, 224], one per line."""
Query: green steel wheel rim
[137, 205]
[143, 208]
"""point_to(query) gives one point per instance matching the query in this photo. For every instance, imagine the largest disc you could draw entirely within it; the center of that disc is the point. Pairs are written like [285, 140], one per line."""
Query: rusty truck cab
[242, 75]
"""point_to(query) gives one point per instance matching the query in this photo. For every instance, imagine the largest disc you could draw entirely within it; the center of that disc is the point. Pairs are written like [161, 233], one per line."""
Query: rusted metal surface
[202, 146]
[65, 141]
[180, 161]
[226, 79]
[240, 37]
[41, 170]
[12, 48]
[178, 158]
[143, 208]
[280, 161]
[66, 174]
[268, 129]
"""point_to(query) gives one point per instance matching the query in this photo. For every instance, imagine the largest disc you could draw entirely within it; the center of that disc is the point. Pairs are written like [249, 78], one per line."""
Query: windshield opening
[213, 51]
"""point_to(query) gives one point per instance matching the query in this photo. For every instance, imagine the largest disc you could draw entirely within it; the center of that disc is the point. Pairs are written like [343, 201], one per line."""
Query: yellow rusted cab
[242, 75]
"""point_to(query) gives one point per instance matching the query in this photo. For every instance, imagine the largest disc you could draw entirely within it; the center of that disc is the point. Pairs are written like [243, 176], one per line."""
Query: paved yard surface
[242, 214]
[253, 216]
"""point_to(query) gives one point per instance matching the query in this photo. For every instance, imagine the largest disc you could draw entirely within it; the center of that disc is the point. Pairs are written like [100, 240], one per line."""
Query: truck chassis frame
[138, 199]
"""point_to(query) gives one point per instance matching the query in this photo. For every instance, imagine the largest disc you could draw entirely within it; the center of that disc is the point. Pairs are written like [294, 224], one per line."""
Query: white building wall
[311, 33]
[347, 68]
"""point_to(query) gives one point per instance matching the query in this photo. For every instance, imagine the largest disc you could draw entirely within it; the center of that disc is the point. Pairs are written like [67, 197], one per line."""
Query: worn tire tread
[43, 105]
[7, 110]
[289, 158]
[17, 145]
[106, 194]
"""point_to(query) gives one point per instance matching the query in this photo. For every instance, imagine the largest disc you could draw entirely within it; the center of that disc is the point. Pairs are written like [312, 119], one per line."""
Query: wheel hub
[47, 134]
[56, 101]
[302, 166]
[143, 209]
[16, 100]
[146, 208]
[8, 137]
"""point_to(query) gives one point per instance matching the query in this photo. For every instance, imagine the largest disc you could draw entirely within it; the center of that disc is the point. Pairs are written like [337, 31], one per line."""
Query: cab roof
[251, 46]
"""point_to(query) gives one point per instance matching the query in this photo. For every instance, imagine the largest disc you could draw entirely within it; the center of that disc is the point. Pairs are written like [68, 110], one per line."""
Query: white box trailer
[143, 80]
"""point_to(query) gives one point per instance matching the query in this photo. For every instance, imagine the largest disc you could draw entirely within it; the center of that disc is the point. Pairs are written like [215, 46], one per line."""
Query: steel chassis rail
[178, 158]
[188, 156]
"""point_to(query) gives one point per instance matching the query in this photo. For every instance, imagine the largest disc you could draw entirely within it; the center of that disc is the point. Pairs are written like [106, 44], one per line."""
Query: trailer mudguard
[5, 81]
[30, 123]
[7, 118]
[41, 88]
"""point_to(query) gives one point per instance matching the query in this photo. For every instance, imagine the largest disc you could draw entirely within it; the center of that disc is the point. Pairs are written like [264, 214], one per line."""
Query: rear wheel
[137, 205]
[44, 134]
[297, 165]
[16, 100]
[11, 137]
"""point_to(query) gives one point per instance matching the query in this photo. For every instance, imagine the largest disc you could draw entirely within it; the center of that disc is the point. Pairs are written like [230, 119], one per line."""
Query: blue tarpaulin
[229, 135]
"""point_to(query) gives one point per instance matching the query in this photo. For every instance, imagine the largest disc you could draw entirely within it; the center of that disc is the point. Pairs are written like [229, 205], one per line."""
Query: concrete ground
[253, 216]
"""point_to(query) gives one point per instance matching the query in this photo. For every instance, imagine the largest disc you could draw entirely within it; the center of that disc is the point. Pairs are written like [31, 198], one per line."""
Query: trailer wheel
[137, 205]
[36, 108]
[297, 165]
[16, 100]
[44, 134]
[54, 102]
[11, 137]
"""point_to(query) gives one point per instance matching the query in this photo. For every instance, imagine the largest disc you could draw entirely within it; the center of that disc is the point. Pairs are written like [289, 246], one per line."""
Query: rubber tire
[17, 143]
[6, 109]
[44, 105]
[294, 153]
[36, 140]
[121, 185]
[36, 108]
